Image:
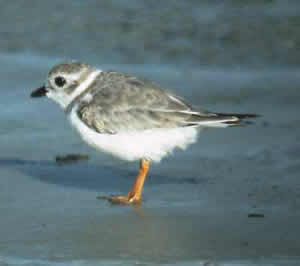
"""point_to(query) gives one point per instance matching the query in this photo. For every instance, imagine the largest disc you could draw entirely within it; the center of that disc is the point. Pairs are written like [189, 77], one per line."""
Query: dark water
[234, 56]
[235, 33]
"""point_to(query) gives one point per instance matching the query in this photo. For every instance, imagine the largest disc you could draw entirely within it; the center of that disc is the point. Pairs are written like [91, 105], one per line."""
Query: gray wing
[122, 102]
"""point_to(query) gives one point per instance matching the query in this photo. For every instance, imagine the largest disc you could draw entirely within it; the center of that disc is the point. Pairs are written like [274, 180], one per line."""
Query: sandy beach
[232, 198]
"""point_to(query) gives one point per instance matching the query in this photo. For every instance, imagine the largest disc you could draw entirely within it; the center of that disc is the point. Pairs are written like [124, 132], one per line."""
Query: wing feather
[123, 103]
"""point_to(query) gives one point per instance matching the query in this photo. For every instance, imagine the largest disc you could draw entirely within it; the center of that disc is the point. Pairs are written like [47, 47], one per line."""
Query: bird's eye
[60, 81]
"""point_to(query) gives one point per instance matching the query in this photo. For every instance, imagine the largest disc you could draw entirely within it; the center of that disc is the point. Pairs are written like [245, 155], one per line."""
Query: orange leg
[135, 194]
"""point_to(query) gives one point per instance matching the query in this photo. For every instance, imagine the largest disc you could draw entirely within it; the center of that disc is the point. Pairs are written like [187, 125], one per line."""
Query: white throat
[64, 99]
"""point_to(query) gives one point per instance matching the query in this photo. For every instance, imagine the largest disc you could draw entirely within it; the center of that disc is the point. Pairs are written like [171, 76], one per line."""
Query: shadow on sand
[86, 175]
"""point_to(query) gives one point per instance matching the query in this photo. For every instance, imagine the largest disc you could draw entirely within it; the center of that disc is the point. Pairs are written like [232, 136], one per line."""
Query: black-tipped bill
[39, 92]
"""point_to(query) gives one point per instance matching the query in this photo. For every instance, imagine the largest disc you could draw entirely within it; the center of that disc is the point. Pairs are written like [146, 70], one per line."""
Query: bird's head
[66, 81]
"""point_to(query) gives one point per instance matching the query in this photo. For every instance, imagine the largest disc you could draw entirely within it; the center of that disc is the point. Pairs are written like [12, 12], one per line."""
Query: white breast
[151, 144]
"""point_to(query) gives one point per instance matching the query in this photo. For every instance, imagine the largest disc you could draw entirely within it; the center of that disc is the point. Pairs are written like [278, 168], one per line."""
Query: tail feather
[240, 116]
[237, 119]
[222, 119]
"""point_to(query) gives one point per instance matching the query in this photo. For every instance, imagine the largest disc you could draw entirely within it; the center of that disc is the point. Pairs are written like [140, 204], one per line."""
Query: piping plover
[128, 117]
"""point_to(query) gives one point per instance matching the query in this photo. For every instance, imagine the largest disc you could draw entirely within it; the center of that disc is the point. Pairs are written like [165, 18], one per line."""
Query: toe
[121, 200]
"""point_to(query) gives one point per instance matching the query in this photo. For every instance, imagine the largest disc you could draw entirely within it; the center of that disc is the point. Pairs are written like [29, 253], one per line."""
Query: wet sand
[196, 202]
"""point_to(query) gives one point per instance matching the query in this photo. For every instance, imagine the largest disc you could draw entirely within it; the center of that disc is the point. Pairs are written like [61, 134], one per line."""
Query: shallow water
[196, 202]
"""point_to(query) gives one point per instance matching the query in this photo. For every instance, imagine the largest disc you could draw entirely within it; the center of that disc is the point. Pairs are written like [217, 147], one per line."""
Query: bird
[129, 117]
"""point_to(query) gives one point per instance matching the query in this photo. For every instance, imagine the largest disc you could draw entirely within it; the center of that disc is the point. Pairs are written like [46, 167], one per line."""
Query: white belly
[151, 144]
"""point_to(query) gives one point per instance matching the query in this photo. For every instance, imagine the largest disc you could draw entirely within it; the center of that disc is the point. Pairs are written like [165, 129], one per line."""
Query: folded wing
[133, 104]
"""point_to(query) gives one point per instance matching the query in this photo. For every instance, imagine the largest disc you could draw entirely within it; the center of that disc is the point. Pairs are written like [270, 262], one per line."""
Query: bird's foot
[122, 200]
[134, 197]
